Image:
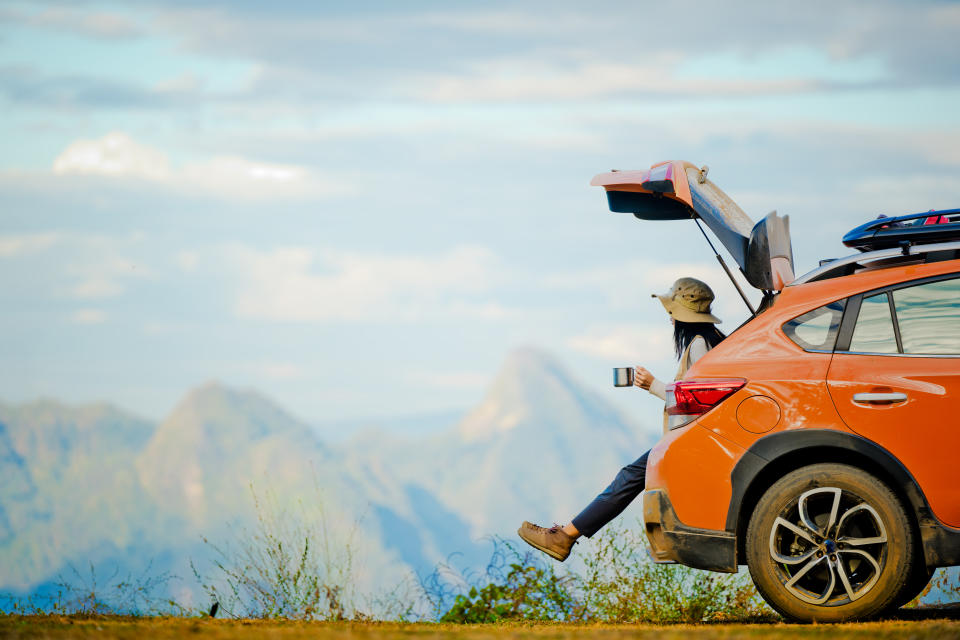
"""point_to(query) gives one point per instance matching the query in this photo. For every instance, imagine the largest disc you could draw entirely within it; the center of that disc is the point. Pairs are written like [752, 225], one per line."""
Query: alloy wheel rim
[828, 547]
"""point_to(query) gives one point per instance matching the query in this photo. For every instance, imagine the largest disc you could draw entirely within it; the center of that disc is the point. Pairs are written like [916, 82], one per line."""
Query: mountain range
[96, 485]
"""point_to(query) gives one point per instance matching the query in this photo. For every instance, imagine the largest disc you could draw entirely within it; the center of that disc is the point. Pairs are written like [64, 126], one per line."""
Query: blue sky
[360, 208]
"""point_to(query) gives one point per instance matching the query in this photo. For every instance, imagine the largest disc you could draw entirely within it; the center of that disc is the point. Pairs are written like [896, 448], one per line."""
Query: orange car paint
[631, 181]
[700, 494]
[913, 430]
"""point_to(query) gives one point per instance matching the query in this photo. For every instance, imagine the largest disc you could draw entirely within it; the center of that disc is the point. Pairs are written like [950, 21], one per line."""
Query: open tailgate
[677, 190]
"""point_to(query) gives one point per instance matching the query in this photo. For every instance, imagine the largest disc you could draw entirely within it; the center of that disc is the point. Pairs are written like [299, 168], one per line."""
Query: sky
[361, 208]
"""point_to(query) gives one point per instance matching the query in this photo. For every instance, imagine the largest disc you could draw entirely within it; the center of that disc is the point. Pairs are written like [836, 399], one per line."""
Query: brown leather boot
[553, 541]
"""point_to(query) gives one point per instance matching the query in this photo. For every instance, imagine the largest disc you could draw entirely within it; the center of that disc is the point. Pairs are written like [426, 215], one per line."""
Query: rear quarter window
[816, 330]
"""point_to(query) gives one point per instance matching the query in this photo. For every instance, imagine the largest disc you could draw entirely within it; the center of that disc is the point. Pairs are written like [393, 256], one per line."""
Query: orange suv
[816, 443]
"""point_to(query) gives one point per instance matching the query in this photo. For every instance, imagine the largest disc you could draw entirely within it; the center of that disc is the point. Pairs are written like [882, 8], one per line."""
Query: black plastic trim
[766, 460]
[850, 314]
[896, 323]
[671, 540]
[648, 206]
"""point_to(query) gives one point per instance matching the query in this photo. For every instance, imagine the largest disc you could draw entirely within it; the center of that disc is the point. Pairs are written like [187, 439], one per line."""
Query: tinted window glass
[929, 317]
[816, 330]
[873, 332]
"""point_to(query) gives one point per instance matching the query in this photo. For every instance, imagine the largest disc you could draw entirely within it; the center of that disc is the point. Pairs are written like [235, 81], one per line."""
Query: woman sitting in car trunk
[694, 333]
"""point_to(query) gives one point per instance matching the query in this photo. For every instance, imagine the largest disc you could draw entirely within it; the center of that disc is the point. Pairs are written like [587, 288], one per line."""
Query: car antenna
[723, 264]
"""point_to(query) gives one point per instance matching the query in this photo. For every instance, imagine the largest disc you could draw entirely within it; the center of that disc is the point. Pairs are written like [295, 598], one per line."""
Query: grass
[928, 624]
[610, 581]
[291, 576]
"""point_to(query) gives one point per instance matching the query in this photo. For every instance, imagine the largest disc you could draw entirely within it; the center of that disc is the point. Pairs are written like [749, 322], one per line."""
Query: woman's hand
[642, 378]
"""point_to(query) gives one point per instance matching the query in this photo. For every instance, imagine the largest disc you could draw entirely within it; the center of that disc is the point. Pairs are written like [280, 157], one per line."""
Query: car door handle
[879, 398]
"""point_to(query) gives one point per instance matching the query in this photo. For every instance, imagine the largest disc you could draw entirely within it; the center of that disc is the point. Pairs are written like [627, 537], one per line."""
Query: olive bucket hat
[689, 300]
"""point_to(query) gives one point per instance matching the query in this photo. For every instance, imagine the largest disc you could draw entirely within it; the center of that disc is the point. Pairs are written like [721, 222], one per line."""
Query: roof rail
[825, 271]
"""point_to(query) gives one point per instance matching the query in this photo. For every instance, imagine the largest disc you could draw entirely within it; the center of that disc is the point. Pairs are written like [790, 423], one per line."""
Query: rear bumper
[671, 540]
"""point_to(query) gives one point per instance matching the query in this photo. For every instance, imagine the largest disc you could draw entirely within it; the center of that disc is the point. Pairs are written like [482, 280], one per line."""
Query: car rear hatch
[677, 190]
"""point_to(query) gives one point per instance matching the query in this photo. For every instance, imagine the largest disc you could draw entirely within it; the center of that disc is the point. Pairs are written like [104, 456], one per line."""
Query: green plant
[89, 593]
[528, 590]
[615, 582]
[290, 565]
[620, 584]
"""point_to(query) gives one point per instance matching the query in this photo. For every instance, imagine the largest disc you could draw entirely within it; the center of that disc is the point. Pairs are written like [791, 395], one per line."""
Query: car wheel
[830, 542]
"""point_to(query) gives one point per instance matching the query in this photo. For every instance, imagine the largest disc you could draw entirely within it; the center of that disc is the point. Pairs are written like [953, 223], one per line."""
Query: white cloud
[536, 79]
[97, 25]
[521, 23]
[109, 25]
[87, 266]
[103, 276]
[187, 82]
[279, 370]
[297, 284]
[154, 328]
[88, 316]
[26, 244]
[644, 343]
[237, 177]
[188, 260]
[117, 155]
[96, 288]
[647, 278]
[908, 193]
[456, 380]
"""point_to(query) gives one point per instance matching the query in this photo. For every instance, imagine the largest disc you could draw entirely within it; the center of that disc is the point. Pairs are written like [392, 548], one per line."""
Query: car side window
[874, 332]
[816, 330]
[929, 317]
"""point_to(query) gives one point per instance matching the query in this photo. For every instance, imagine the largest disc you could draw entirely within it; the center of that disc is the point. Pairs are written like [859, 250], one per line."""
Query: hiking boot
[553, 541]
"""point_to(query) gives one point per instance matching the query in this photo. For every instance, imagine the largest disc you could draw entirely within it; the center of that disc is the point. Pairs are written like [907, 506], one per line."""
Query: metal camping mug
[623, 377]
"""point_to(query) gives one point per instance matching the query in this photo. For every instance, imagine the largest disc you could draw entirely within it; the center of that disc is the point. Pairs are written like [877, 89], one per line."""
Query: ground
[943, 622]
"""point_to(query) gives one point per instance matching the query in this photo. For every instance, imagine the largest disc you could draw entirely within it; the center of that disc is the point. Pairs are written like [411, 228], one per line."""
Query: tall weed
[619, 583]
[289, 565]
[513, 586]
[614, 582]
[91, 593]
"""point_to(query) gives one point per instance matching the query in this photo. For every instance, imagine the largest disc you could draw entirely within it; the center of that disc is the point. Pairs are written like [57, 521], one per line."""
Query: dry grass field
[917, 624]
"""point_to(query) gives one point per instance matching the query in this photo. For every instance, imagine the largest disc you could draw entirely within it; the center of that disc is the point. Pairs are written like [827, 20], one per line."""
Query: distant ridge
[97, 484]
[215, 436]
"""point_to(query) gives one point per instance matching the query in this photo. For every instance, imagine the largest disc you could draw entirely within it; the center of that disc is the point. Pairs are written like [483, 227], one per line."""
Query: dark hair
[685, 332]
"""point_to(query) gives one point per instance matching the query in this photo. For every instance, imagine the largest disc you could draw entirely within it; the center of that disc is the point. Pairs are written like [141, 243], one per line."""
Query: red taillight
[688, 399]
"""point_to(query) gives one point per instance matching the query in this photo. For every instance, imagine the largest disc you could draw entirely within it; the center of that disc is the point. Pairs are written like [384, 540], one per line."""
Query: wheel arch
[773, 456]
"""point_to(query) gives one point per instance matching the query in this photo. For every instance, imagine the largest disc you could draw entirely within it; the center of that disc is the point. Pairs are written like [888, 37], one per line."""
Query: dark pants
[608, 505]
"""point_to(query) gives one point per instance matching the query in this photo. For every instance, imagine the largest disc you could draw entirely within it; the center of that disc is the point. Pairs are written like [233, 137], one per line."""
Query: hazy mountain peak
[531, 385]
[215, 435]
[532, 367]
[217, 409]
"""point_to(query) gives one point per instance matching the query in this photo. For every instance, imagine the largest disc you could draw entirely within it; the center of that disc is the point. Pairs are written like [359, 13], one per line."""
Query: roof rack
[877, 259]
[915, 228]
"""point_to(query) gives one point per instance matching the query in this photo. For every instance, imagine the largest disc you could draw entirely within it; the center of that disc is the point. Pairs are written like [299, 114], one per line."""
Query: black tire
[828, 543]
[918, 581]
